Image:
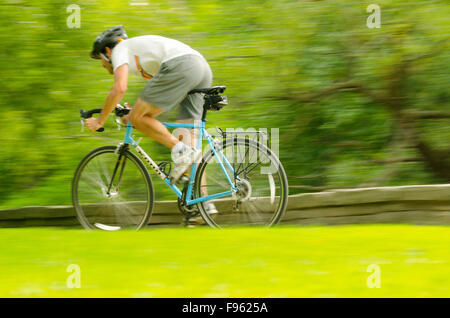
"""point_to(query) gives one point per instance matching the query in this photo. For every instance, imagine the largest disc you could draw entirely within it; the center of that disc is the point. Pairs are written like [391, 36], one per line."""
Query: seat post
[204, 114]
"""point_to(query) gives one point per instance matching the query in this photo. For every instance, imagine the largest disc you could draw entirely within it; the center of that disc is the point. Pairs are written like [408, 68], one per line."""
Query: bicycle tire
[283, 183]
[149, 194]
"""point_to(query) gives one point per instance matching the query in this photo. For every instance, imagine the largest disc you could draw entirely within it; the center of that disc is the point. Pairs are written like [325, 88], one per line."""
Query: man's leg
[187, 136]
[142, 117]
[190, 138]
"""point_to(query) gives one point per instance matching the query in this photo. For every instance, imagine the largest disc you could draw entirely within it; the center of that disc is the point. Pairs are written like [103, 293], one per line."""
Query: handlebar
[120, 111]
[89, 113]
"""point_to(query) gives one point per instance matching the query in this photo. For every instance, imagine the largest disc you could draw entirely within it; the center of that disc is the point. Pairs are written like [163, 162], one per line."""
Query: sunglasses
[105, 57]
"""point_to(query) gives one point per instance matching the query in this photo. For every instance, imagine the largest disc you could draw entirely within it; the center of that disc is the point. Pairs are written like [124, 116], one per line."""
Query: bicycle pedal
[184, 179]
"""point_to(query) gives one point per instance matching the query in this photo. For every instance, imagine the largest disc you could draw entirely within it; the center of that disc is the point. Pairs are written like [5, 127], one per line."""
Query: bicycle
[112, 188]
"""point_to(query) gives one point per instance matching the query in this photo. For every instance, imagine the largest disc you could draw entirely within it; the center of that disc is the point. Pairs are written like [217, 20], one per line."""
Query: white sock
[179, 149]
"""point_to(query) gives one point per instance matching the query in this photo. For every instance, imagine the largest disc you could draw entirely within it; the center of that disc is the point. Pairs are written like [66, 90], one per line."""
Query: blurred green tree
[355, 106]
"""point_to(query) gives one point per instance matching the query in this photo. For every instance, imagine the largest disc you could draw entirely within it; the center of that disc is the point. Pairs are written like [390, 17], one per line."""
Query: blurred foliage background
[355, 106]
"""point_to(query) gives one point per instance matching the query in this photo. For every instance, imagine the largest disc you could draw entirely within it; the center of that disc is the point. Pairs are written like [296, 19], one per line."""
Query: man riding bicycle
[172, 69]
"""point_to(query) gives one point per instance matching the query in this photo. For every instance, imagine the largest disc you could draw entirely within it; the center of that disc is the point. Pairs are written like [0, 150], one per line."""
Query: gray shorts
[175, 79]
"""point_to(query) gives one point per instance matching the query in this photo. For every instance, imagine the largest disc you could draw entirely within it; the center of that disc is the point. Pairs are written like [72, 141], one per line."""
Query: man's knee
[134, 117]
[142, 109]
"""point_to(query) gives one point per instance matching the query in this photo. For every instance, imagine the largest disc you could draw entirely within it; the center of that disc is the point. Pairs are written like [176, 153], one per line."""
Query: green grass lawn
[201, 262]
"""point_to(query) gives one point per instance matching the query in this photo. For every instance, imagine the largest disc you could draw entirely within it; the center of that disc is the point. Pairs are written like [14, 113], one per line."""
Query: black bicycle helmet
[108, 38]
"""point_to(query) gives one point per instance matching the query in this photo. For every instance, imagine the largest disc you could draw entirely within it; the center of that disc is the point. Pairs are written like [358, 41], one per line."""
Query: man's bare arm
[116, 94]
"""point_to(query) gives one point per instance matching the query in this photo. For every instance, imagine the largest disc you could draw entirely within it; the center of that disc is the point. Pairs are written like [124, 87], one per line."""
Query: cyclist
[172, 69]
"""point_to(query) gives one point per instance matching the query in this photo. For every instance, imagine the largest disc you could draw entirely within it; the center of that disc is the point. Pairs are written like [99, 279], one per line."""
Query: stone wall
[421, 204]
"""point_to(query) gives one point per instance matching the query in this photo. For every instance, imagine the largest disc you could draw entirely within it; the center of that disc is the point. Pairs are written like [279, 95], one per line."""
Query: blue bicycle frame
[202, 133]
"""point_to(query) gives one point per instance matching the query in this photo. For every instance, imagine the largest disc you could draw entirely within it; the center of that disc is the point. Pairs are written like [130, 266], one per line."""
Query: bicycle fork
[121, 161]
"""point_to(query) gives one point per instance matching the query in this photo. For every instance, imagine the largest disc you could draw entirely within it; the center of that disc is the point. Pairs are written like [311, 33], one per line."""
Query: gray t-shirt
[145, 54]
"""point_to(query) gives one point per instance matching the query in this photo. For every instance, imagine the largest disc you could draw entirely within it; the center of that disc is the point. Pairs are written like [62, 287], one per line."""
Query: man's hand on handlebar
[93, 124]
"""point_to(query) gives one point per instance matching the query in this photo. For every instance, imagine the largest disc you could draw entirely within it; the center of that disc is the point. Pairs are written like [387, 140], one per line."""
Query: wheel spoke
[261, 197]
[126, 205]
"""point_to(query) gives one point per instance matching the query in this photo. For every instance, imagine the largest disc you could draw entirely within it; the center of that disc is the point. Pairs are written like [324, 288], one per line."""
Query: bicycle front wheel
[112, 190]
[260, 180]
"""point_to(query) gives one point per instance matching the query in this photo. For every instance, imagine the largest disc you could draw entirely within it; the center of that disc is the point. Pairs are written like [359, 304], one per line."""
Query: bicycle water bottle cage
[165, 167]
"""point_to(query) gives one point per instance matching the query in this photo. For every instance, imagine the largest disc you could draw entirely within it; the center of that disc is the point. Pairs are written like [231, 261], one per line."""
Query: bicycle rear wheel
[262, 194]
[112, 191]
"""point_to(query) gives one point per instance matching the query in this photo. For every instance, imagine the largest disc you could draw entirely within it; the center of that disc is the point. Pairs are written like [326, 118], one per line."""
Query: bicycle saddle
[215, 90]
